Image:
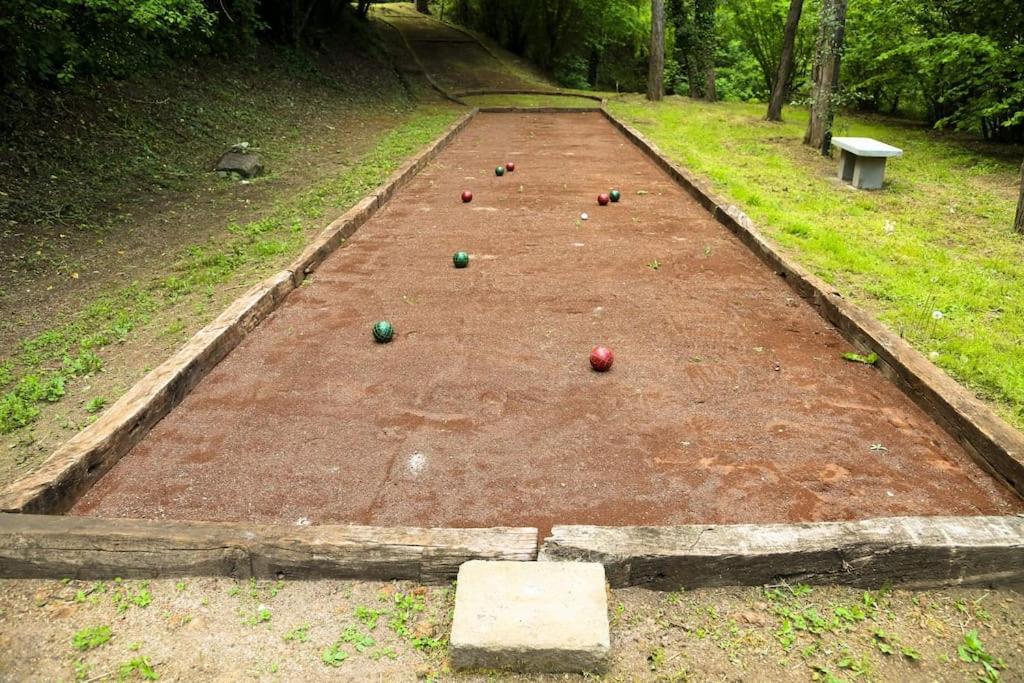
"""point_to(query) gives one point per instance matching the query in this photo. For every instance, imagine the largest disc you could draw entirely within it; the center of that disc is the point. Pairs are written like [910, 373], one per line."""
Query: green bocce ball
[460, 259]
[615, 195]
[499, 171]
[383, 332]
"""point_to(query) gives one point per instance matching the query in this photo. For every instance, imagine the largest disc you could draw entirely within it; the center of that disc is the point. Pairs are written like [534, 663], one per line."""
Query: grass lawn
[933, 255]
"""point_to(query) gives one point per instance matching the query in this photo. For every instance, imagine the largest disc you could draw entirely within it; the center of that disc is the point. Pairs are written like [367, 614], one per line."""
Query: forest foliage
[952, 63]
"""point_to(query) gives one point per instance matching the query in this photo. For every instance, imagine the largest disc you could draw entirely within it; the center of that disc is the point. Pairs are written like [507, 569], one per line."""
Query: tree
[423, 6]
[782, 81]
[656, 61]
[704, 27]
[825, 75]
[1018, 224]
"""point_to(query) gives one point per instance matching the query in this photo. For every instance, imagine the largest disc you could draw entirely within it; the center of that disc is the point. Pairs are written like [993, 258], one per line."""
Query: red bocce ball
[467, 197]
[601, 358]
[510, 166]
[603, 199]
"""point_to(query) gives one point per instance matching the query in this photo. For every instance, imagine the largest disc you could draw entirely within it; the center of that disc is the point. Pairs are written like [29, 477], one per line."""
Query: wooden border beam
[912, 552]
[48, 546]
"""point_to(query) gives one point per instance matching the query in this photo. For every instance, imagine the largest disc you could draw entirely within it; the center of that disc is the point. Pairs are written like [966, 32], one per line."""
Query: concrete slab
[530, 616]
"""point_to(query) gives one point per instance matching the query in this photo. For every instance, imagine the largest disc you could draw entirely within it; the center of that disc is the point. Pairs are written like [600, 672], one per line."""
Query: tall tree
[656, 63]
[704, 27]
[783, 80]
[825, 75]
[1018, 224]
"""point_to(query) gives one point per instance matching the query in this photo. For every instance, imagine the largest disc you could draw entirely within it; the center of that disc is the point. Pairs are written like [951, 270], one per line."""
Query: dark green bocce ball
[383, 332]
[615, 195]
[499, 171]
[460, 259]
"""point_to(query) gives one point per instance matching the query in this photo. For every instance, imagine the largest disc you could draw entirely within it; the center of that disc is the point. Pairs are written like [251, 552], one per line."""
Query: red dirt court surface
[728, 401]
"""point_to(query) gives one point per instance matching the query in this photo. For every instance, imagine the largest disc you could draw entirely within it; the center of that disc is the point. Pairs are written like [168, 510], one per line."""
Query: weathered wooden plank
[49, 546]
[512, 109]
[330, 238]
[991, 441]
[912, 552]
[85, 457]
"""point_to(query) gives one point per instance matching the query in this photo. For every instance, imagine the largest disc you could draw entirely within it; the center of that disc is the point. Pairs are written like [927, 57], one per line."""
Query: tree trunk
[1018, 224]
[704, 22]
[423, 6]
[656, 64]
[781, 89]
[825, 75]
[710, 93]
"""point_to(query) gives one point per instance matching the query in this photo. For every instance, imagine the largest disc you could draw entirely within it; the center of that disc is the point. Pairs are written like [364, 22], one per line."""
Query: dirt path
[206, 629]
[729, 401]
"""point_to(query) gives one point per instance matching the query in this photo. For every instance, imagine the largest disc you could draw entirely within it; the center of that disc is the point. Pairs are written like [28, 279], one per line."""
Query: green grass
[933, 255]
[37, 371]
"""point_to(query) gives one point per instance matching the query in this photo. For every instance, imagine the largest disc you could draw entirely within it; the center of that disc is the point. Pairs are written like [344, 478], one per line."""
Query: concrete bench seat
[862, 161]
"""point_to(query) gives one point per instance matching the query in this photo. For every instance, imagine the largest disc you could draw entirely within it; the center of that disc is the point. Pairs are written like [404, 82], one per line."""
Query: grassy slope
[938, 239]
[71, 350]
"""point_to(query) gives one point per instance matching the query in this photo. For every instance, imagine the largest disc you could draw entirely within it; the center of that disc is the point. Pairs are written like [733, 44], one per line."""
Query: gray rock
[245, 164]
[530, 616]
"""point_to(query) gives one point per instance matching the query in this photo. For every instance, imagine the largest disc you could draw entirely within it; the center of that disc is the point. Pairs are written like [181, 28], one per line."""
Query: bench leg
[869, 172]
[846, 161]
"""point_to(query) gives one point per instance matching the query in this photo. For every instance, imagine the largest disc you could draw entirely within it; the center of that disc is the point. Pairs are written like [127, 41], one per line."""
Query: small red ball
[601, 358]
[603, 199]
[510, 166]
[467, 197]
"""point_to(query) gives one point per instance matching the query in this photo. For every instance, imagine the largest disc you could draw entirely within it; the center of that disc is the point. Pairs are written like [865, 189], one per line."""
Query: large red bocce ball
[601, 358]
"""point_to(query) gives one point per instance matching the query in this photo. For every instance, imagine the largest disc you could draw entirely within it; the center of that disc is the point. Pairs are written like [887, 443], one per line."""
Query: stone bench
[862, 161]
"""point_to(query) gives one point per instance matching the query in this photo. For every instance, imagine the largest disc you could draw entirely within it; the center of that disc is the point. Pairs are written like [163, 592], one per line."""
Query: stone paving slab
[530, 616]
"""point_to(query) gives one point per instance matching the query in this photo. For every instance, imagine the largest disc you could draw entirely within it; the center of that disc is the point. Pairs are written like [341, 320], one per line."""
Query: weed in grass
[858, 666]
[95, 405]
[869, 359]
[299, 634]
[124, 598]
[406, 605]
[972, 651]
[261, 615]
[333, 655]
[91, 637]
[15, 412]
[138, 667]
[383, 653]
[85, 363]
[360, 641]
[368, 616]
[656, 658]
